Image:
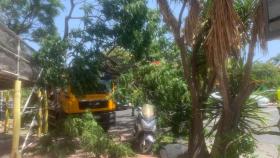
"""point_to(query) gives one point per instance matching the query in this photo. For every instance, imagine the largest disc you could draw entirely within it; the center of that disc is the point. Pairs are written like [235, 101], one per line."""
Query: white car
[261, 100]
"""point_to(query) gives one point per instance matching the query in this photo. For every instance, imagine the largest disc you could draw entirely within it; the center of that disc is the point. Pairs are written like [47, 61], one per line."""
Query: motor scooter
[145, 128]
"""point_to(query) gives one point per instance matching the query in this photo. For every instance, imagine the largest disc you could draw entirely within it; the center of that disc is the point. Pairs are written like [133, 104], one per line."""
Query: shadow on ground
[123, 129]
[6, 144]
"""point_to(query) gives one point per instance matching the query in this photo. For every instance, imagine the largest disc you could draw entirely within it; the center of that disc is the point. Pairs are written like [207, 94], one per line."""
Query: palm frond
[225, 34]
[260, 26]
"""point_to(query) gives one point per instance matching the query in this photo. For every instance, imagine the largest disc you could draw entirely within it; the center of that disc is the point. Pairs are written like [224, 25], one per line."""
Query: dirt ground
[267, 151]
[123, 130]
[6, 141]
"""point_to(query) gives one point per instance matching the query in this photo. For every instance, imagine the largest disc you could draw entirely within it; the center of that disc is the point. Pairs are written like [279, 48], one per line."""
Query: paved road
[267, 145]
[6, 143]
[272, 115]
[123, 130]
[124, 125]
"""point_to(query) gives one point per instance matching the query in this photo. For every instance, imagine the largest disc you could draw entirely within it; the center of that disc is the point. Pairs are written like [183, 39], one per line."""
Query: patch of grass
[55, 147]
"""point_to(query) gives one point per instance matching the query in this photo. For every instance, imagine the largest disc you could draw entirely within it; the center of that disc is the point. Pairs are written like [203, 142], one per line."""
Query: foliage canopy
[32, 19]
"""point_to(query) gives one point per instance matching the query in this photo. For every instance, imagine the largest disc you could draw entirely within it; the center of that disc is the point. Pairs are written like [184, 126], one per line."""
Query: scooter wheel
[145, 146]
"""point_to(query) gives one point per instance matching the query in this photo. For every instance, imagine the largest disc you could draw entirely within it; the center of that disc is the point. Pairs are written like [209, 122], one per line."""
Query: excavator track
[55, 111]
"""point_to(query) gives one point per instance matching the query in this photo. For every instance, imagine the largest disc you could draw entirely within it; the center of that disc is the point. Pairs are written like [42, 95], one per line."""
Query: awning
[15, 60]
[274, 19]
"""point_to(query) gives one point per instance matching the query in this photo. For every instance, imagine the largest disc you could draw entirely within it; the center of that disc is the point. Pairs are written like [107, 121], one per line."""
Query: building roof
[15, 60]
[274, 19]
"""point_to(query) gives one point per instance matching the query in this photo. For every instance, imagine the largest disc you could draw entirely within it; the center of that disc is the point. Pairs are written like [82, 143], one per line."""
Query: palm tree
[211, 37]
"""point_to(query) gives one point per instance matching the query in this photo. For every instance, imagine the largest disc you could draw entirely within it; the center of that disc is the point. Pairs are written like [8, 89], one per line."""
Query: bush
[162, 85]
[266, 75]
[55, 147]
[243, 144]
[242, 141]
[83, 131]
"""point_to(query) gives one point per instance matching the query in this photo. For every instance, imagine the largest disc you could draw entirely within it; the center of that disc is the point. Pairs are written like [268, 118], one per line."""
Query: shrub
[83, 131]
[163, 86]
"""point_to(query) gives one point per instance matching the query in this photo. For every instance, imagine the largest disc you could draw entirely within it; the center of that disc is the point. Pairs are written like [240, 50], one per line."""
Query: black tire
[144, 149]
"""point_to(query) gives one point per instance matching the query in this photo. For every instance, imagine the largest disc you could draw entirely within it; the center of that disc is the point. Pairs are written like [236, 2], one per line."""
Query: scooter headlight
[148, 111]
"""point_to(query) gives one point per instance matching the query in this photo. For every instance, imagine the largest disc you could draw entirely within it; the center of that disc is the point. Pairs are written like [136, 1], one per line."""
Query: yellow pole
[39, 114]
[6, 123]
[3, 107]
[16, 122]
[7, 116]
[278, 96]
[46, 114]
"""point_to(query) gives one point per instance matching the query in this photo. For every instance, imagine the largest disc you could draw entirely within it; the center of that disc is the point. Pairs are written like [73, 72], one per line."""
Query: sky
[273, 46]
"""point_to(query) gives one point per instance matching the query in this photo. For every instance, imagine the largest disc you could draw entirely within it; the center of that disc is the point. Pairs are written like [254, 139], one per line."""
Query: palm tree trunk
[197, 146]
[229, 118]
[226, 126]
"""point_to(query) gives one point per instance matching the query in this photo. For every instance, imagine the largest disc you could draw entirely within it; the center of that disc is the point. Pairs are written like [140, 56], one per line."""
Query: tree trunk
[229, 119]
[226, 126]
[197, 147]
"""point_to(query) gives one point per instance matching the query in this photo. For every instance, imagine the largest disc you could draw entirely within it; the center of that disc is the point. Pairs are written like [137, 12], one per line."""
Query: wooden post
[16, 120]
[39, 132]
[46, 114]
[7, 116]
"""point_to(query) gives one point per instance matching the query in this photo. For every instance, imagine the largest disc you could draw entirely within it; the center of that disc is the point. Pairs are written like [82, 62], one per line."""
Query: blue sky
[273, 46]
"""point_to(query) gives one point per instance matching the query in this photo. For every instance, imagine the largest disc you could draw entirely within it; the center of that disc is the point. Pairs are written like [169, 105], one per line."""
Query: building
[274, 19]
[15, 60]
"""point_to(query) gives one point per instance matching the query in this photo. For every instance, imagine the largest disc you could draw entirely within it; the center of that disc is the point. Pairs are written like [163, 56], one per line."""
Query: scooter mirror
[139, 108]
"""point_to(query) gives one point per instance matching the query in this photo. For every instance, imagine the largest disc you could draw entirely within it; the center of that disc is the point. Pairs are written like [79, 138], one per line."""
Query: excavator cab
[99, 102]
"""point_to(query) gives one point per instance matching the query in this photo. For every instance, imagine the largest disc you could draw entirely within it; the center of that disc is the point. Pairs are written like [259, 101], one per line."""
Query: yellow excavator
[99, 102]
